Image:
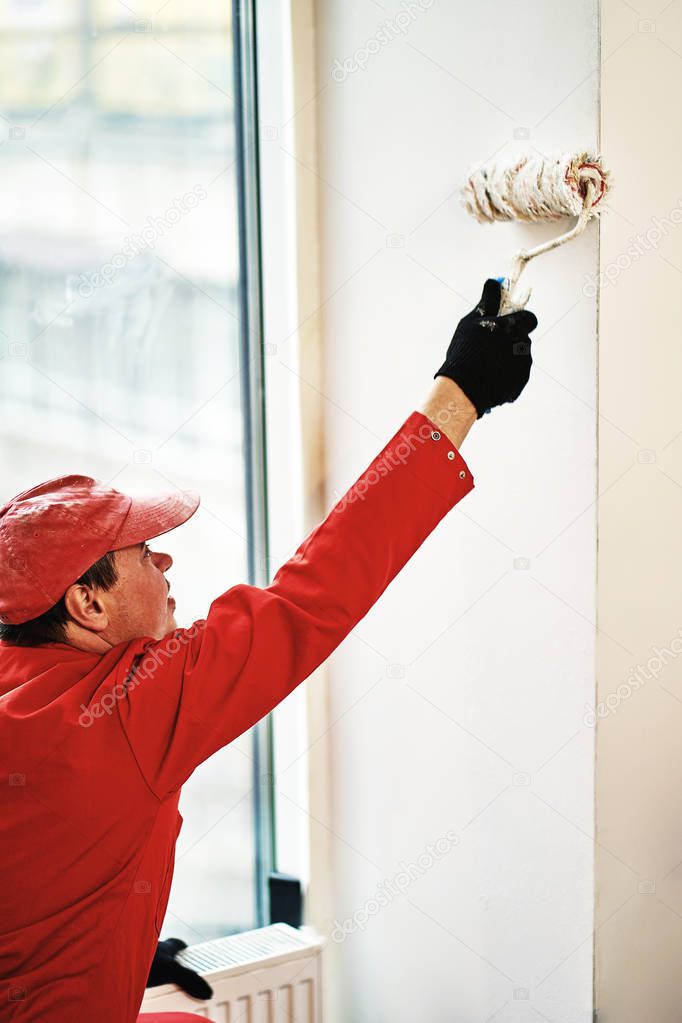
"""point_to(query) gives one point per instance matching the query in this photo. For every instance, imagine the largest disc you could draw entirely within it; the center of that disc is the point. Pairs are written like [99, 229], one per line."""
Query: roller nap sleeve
[531, 187]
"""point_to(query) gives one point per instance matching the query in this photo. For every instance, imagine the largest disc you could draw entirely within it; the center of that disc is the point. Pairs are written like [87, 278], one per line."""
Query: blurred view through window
[119, 341]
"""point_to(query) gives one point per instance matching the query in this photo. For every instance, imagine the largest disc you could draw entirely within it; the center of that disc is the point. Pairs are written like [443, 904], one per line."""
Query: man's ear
[85, 608]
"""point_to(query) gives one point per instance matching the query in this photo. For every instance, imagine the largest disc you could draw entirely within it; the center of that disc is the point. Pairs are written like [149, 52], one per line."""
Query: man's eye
[147, 550]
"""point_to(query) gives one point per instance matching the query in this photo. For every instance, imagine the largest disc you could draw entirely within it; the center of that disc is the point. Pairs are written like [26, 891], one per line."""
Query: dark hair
[49, 627]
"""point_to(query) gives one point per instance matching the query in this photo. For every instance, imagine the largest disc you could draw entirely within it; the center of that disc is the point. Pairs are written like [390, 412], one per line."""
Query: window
[124, 331]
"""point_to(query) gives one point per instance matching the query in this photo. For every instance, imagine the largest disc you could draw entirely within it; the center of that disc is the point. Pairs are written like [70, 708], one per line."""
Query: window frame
[250, 286]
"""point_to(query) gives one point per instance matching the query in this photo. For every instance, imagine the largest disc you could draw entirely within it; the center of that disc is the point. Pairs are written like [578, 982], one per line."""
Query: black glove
[165, 969]
[489, 355]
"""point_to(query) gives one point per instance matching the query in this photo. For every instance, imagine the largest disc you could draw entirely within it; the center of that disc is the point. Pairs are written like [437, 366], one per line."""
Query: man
[106, 707]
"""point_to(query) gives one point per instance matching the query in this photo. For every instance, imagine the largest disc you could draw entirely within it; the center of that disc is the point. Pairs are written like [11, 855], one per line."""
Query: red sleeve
[196, 690]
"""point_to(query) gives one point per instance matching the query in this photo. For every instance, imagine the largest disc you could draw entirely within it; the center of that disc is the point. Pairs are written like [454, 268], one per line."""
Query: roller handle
[510, 302]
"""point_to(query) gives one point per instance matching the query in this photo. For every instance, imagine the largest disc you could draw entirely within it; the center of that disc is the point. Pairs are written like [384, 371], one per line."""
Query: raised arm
[258, 644]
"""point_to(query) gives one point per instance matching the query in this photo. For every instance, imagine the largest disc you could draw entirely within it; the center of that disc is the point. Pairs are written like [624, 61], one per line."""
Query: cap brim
[151, 516]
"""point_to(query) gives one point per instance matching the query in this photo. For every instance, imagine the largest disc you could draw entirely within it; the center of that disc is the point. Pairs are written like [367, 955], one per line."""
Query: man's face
[138, 604]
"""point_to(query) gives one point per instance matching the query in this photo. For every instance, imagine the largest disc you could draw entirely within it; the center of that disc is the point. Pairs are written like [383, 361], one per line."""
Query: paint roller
[535, 187]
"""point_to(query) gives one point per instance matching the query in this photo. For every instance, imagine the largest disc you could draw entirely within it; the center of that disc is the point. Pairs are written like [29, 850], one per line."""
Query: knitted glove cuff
[467, 379]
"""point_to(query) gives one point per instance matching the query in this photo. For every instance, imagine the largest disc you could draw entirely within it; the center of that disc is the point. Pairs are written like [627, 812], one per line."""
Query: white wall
[639, 824]
[458, 703]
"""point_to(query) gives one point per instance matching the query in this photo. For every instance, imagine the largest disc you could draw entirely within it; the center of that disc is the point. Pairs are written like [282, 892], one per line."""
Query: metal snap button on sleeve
[435, 435]
[451, 455]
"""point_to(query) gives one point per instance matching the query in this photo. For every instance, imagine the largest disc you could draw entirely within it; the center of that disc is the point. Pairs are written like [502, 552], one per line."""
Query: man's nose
[163, 561]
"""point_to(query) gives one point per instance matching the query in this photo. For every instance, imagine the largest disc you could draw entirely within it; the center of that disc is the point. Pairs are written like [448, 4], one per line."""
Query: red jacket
[94, 748]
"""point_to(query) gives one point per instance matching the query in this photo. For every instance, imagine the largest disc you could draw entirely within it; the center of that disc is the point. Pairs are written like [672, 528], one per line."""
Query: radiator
[270, 975]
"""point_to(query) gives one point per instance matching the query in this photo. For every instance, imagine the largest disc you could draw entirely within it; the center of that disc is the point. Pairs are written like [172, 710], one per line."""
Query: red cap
[50, 535]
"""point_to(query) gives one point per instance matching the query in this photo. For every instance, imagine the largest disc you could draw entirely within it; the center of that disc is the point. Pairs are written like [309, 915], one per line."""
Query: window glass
[119, 340]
